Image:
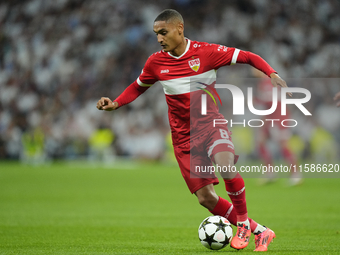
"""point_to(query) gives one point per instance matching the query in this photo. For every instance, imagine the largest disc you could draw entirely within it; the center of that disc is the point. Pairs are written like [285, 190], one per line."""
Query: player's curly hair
[169, 15]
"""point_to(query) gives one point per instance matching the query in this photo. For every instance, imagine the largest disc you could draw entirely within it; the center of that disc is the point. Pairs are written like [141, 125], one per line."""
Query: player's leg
[290, 158]
[236, 191]
[234, 184]
[221, 151]
[264, 153]
[208, 198]
[287, 154]
[282, 135]
[203, 187]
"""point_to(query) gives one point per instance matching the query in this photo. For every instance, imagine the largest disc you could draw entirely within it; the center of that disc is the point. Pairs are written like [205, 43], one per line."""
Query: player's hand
[278, 81]
[106, 104]
[337, 98]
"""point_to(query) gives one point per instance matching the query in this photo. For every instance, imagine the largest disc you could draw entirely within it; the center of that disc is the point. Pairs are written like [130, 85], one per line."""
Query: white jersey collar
[186, 50]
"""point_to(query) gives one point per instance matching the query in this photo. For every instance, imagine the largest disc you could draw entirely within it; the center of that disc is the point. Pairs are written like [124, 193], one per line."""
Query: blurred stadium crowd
[57, 58]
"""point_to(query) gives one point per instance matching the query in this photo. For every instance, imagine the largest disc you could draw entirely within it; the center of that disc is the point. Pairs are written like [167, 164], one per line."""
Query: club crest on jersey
[195, 64]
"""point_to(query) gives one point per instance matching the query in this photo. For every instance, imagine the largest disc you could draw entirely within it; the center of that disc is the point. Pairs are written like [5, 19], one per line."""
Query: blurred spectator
[33, 147]
[100, 143]
[337, 98]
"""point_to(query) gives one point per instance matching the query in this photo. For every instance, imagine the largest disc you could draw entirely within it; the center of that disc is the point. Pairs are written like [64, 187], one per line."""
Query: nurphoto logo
[239, 102]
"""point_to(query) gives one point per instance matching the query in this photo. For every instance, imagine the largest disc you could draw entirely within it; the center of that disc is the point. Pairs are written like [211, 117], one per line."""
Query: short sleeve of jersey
[147, 77]
[220, 55]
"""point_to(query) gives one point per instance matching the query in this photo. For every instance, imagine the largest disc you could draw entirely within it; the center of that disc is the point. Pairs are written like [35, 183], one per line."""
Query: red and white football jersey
[184, 79]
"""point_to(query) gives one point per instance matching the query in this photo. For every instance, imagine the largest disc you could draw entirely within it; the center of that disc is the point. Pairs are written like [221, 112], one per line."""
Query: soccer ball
[215, 232]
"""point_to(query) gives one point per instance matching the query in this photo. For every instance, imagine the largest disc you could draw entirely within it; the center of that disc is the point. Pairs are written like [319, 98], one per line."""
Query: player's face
[169, 35]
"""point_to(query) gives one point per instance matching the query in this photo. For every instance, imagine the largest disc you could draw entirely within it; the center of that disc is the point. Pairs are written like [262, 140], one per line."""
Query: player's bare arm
[337, 98]
[278, 81]
[106, 104]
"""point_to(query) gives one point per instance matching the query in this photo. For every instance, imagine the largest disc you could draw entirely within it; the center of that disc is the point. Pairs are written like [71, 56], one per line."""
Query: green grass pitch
[146, 208]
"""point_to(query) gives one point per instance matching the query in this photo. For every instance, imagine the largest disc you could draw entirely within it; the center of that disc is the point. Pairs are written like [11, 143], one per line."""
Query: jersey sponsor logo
[195, 64]
[165, 71]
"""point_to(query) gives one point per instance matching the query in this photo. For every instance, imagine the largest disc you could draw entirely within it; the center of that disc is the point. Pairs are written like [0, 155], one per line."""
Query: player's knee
[230, 174]
[226, 161]
[224, 158]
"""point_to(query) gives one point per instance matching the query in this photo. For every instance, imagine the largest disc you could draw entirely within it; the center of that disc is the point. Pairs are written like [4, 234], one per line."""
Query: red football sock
[226, 209]
[236, 191]
[288, 155]
[265, 154]
[253, 225]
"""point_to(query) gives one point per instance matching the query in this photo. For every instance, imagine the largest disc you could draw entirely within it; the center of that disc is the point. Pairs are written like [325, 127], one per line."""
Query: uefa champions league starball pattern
[215, 232]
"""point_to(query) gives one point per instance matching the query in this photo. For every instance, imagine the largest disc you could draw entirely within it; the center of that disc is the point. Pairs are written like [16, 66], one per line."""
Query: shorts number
[224, 133]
